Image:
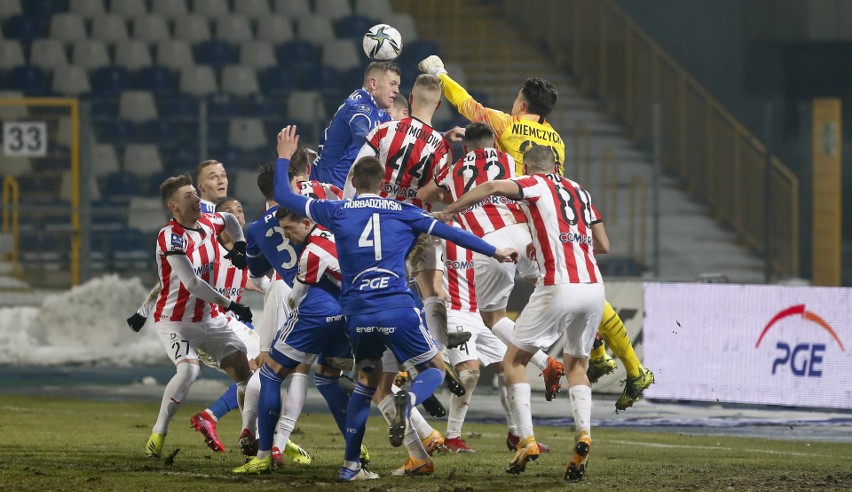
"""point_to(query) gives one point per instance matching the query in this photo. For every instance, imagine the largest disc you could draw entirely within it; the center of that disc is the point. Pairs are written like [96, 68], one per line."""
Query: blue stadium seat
[157, 79]
[103, 108]
[120, 186]
[106, 216]
[221, 106]
[32, 81]
[301, 55]
[277, 81]
[262, 106]
[110, 80]
[216, 52]
[353, 26]
[45, 8]
[162, 132]
[181, 160]
[178, 107]
[25, 28]
[116, 132]
[418, 50]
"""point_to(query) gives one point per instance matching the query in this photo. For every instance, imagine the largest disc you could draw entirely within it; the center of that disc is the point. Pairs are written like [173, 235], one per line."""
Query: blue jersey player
[362, 111]
[373, 236]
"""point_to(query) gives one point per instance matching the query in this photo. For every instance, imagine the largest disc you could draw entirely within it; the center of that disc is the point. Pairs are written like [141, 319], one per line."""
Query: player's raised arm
[503, 187]
[288, 142]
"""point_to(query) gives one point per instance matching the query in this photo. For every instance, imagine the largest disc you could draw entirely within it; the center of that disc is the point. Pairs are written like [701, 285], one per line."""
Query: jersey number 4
[373, 228]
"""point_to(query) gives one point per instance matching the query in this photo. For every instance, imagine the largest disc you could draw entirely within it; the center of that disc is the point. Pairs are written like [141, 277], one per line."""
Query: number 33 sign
[25, 138]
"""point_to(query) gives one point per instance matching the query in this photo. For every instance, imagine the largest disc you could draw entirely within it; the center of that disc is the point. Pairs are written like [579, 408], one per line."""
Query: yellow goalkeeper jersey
[515, 134]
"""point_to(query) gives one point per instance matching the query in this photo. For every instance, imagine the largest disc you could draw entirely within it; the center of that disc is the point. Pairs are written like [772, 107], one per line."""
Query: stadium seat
[65, 188]
[292, 8]
[324, 79]
[373, 8]
[44, 8]
[244, 184]
[314, 28]
[142, 159]
[148, 214]
[307, 106]
[116, 132]
[221, 106]
[128, 8]
[109, 28]
[175, 54]
[247, 133]
[239, 80]
[25, 28]
[215, 52]
[405, 24]
[341, 54]
[178, 107]
[71, 81]
[67, 28]
[198, 80]
[458, 72]
[86, 8]
[162, 132]
[169, 8]
[137, 106]
[15, 166]
[277, 81]
[275, 29]
[254, 9]
[90, 54]
[354, 27]
[103, 107]
[257, 54]
[110, 80]
[133, 54]
[156, 79]
[12, 112]
[192, 28]
[8, 8]
[298, 55]
[48, 54]
[151, 28]
[120, 186]
[233, 28]
[32, 81]
[11, 53]
[266, 107]
[333, 9]
[104, 160]
[211, 8]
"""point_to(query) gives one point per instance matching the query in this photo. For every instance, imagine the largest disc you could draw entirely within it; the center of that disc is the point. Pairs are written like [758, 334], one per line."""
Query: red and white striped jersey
[459, 278]
[230, 280]
[319, 191]
[412, 152]
[319, 259]
[201, 246]
[560, 215]
[475, 168]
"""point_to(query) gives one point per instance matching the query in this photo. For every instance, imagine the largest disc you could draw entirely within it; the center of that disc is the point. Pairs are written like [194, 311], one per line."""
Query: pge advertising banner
[755, 344]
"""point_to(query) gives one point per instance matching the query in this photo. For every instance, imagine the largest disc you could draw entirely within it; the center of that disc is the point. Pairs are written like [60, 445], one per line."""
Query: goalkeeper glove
[241, 310]
[432, 65]
[136, 322]
[237, 255]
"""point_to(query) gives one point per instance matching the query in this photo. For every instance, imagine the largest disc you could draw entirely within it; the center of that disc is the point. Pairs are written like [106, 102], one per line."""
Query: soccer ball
[382, 42]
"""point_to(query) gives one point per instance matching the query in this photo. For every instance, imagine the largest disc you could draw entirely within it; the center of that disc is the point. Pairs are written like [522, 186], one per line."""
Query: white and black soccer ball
[382, 42]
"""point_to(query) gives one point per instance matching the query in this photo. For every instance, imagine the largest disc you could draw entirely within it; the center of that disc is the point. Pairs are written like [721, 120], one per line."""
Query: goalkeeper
[516, 133]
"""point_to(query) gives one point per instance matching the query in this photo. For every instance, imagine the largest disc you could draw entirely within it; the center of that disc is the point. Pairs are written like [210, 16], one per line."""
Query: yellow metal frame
[76, 227]
[11, 218]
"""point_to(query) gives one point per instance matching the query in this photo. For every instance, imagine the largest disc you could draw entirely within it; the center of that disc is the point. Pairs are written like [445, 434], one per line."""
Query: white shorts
[427, 254]
[495, 280]
[249, 337]
[389, 362]
[483, 344]
[275, 313]
[183, 340]
[572, 310]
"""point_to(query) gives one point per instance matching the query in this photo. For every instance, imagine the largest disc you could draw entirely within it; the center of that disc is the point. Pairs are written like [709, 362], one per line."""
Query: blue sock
[425, 383]
[268, 407]
[225, 403]
[356, 421]
[336, 397]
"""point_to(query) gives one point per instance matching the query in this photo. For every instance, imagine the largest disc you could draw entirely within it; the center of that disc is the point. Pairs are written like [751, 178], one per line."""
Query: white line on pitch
[723, 448]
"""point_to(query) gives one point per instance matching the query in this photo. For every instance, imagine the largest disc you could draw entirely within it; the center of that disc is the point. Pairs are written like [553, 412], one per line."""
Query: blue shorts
[303, 338]
[400, 329]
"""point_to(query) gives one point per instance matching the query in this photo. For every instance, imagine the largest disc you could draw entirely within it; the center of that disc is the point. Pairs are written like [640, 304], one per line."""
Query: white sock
[436, 319]
[460, 404]
[210, 414]
[241, 393]
[419, 424]
[504, 400]
[539, 359]
[291, 408]
[411, 439]
[581, 407]
[250, 403]
[519, 400]
[175, 392]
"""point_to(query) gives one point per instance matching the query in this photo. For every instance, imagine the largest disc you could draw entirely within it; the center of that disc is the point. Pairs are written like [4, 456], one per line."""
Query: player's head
[300, 164]
[539, 159]
[212, 180]
[180, 197]
[233, 206]
[537, 96]
[381, 80]
[399, 110]
[266, 181]
[368, 174]
[478, 136]
[296, 227]
[426, 92]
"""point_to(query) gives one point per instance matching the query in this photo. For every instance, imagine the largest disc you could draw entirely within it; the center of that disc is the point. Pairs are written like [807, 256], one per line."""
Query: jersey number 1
[374, 227]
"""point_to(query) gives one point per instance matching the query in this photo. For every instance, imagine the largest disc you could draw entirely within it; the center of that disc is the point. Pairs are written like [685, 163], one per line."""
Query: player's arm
[367, 150]
[297, 294]
[261, 282]
[600, 241]
[137, 321]
[472, 242]
[194, 284]
[501, 187]
[319, 211]
[258, 265]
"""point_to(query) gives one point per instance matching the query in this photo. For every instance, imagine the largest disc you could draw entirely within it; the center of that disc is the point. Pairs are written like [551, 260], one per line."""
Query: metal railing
[11, 222]
[717, 158]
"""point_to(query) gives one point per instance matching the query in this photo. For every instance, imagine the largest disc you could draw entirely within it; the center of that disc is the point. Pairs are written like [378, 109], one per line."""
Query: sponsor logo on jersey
[574, 237]
[365, 109]
[804, 359]
[177, 242]
[399, 191]
[205, 268]
[459, 264]
[384, 330]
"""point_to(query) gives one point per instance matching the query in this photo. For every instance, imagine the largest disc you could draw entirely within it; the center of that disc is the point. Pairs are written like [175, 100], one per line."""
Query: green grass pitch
[69, 444]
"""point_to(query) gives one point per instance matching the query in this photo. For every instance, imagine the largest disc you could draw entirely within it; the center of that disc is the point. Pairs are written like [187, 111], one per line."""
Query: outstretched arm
[502, 187]
[288, 142]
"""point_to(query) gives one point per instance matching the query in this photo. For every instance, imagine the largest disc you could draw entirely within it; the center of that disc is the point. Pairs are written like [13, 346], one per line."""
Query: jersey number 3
[373, 228]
